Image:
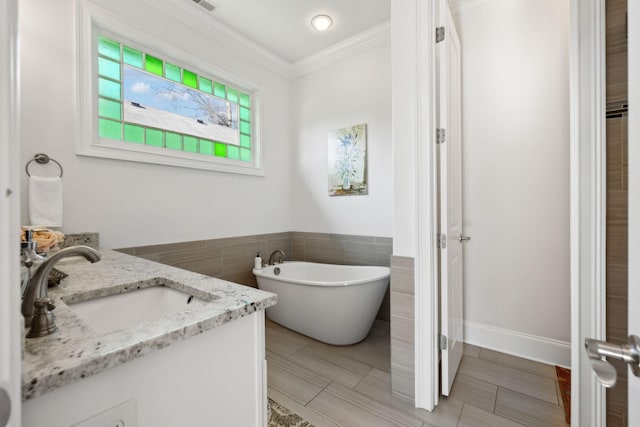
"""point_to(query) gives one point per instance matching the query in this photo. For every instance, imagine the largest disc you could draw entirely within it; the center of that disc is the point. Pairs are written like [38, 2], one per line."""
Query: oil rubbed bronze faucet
[275, 254]
[36, 304]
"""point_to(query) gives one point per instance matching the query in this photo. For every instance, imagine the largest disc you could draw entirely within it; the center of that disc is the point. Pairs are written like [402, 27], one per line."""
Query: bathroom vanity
[200, 364]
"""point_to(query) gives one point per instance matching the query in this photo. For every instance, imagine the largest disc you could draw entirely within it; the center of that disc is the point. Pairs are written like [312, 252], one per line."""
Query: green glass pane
[206, 147]
[245, 101]
[108, 48]
[205, 85]
[173, 141]
[153, 65]
[190, 79]
[133, 133]
[172, 72]
[245, 127]
[110, 129]
[233, 152]
[108, 88]
[190, 144]
[245, 114]
[245, 154]
[232, 95]
[245, 141]
[221, 149]
[154, 137]
[219, 90]
[132, 57]
[109, 68]
[111, 109]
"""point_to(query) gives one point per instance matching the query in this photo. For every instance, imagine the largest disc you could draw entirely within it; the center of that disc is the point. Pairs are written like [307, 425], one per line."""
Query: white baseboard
[520, 344]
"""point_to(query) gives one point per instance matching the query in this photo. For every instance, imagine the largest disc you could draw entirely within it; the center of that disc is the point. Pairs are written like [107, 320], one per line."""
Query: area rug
[564, 382]
[279, 416]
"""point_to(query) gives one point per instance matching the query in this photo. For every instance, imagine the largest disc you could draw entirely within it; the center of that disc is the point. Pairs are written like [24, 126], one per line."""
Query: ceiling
[283, 26]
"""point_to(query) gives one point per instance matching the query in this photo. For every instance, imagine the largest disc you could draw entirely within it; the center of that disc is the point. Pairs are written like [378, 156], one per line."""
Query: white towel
[45, 201]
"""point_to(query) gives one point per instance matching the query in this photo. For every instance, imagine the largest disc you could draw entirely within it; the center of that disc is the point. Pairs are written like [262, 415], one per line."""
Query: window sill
[144, 154]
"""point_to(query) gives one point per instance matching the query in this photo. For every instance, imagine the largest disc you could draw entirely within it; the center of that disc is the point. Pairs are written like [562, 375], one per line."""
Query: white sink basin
[106, 314]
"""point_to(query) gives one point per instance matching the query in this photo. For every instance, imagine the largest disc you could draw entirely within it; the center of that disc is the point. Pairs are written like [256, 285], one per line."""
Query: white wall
[404, 87]
[516, 167]
[132, 204]
[353, 91]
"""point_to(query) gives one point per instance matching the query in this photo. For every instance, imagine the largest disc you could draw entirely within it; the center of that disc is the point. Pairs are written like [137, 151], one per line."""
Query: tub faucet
[274, 255]
[36, 298]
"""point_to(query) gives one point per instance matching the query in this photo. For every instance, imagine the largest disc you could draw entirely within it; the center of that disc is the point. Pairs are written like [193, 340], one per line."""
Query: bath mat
[564, 382]
[279, 416]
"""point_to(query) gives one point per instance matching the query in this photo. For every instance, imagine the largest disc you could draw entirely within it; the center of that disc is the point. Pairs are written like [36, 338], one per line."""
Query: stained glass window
[149, 100]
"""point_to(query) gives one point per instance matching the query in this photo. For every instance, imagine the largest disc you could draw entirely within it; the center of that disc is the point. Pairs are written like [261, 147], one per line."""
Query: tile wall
[232, 258]
[402, 328]
[229, 258]
[617, 187]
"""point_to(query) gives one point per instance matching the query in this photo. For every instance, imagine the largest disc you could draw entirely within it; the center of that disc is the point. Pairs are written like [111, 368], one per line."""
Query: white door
[10, 330]
[634, 198]
[450, 176]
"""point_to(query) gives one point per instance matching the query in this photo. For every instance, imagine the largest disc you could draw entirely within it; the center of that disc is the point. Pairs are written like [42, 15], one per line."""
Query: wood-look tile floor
[351, 386]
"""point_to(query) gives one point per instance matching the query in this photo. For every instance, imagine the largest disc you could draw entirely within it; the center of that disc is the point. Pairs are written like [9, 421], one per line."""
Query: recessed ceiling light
[321, 22]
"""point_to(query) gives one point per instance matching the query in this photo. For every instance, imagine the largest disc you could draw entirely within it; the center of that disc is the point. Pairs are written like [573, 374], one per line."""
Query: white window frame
[91, 21]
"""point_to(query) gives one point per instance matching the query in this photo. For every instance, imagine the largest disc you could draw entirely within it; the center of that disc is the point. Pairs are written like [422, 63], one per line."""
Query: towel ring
[43, 159]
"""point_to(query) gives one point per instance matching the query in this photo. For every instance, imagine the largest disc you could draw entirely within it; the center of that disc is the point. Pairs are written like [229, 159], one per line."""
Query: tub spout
[275, 254]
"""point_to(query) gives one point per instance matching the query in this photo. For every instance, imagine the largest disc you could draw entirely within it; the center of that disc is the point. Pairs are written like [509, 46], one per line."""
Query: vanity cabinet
[216, 378]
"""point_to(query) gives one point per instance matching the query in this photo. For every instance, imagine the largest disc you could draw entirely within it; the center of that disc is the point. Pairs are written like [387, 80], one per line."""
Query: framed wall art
[348, 161]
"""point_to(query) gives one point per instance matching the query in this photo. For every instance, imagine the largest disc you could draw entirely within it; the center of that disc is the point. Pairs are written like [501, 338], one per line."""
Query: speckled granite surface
[76, 351]
[87, 239]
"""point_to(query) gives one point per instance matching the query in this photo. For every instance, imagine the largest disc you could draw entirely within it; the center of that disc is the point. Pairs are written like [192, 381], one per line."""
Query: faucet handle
[29, 249]
[43, 322]
[27, 240]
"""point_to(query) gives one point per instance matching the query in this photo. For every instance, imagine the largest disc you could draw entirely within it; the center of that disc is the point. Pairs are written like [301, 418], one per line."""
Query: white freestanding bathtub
[336, 304]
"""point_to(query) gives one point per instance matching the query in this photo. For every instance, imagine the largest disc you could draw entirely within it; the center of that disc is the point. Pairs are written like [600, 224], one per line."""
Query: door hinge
[442, 241]
[439, 34]
[441, 136]
[443, 342]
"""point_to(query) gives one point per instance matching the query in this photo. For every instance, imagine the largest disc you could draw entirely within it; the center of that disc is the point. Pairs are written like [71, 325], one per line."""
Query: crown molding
[373, 37]
[192, 15]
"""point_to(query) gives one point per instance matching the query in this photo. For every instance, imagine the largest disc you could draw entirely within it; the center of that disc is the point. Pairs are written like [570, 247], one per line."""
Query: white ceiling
[283, 26]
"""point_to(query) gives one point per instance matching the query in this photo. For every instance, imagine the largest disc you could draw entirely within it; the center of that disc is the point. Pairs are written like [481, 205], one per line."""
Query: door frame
[587, 215]
[426, 292]
[10, 319]
[588, 204]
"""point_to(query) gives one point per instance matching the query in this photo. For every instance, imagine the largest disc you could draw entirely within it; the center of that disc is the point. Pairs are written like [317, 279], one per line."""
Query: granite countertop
[75, 351]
